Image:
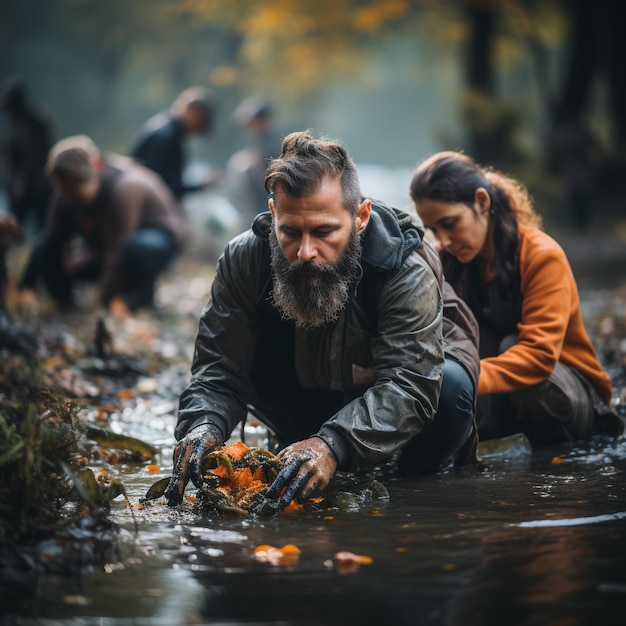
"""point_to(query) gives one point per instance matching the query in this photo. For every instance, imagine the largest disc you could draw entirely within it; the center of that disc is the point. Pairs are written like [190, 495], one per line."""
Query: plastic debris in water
[511, 447]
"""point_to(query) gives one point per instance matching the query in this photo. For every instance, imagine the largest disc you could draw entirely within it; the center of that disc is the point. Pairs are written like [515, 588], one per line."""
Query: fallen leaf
[236, 450]
[101, 414]
[348, 562]
[289, 554]
[292, 507]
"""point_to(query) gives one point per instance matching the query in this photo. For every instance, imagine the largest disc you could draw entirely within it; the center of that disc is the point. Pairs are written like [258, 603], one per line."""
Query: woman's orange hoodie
[551, 328]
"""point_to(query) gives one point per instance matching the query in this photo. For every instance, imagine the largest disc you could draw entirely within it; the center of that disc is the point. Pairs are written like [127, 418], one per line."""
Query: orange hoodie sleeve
[549, 294]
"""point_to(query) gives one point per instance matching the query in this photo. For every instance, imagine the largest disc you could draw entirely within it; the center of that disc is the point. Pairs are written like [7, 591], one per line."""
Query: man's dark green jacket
[366, 383]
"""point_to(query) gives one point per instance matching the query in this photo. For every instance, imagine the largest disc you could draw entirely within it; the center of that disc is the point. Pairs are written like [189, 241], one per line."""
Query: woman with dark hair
[540, 373]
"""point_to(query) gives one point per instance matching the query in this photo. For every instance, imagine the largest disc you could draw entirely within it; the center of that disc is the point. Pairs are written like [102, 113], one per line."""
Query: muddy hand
[188, 462]
[307, 466]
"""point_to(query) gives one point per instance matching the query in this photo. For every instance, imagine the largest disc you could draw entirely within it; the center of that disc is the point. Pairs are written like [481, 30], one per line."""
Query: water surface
[535, 539]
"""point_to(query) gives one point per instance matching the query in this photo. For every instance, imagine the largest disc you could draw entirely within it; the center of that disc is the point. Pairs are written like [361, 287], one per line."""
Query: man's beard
[313, 294]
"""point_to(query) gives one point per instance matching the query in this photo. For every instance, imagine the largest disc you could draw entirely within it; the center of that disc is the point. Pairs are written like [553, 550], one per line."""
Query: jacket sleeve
[219, 387]
[460, 329]
[408, 361]
[547, 292]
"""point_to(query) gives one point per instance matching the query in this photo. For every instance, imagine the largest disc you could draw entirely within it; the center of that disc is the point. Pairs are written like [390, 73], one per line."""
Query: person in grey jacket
[112, 222]
[326, 320]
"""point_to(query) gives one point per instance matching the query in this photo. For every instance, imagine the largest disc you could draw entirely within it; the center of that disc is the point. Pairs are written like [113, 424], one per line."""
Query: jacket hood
[389, 238]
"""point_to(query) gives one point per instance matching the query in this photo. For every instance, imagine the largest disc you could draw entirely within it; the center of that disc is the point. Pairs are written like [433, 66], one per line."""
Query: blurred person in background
[539, 372]
[25, 150]
[160, 145]
[113, 221]
[245, 169]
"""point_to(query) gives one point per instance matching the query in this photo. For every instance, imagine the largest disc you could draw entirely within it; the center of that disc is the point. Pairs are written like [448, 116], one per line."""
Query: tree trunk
[481, 19]
[581, 64]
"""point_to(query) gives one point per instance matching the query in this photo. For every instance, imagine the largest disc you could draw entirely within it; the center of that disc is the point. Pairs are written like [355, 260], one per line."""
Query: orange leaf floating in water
[557, 459]
[348, 562]
[101, 414]
[292, 507]
[236, 450]
[110, 457]
[289, 554]
[153, 469]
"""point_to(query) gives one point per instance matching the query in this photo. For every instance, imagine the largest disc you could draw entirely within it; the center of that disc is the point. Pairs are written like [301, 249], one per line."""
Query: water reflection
[536, 539]
[554, 576]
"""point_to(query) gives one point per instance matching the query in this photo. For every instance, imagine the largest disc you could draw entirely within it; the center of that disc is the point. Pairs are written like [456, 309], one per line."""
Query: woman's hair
[306, 162]
[454, 177]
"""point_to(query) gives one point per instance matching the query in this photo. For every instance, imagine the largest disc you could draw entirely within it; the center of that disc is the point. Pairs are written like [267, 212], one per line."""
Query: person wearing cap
[113, 221]
[160, 145]
[245, 168]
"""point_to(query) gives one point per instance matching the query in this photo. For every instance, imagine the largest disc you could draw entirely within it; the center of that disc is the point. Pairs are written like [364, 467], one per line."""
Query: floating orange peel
[289, 554]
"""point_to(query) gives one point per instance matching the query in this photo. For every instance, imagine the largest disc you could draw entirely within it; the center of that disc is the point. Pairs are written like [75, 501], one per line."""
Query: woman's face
[461, 231]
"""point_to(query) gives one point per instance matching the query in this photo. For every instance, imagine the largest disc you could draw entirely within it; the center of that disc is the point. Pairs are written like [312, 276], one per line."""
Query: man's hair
[250, 109]
[73, 157]
[305, 163]
[199, 98]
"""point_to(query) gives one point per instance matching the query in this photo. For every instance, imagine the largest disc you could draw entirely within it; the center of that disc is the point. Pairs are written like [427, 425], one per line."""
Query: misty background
[534, 88]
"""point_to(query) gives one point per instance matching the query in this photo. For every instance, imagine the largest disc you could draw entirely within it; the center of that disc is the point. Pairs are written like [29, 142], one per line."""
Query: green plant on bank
[42, 469]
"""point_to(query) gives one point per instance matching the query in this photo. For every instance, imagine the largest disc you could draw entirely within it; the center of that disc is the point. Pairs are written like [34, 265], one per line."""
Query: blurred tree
[297, 45]
[491, 122]
[591, 170]
[103, 68]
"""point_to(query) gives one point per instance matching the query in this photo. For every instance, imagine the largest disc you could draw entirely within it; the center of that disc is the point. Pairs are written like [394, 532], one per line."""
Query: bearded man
[326, 320]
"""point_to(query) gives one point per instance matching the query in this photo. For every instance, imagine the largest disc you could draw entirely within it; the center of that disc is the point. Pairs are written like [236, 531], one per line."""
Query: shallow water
[535, 539]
